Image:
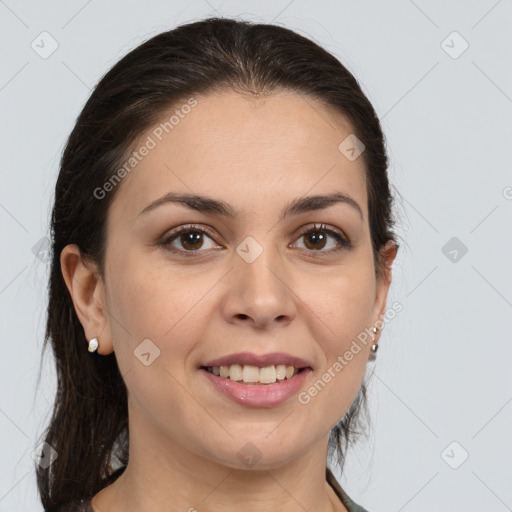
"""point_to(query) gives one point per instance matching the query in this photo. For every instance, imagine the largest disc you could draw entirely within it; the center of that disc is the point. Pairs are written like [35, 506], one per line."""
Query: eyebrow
[216, 207]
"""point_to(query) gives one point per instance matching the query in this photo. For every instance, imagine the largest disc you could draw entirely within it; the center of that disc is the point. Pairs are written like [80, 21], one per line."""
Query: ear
[87, 291]
[387, 256]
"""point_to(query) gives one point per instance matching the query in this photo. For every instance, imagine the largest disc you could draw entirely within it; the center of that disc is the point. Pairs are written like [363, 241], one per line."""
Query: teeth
[249, 373]
[234, 372]
[252, 374]
[267, 375]
[280, 371]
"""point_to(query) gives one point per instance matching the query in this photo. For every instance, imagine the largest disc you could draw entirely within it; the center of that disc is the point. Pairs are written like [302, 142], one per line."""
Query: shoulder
[351, 505]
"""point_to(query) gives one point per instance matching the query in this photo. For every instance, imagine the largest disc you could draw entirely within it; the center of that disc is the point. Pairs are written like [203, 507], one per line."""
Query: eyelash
[344, 243]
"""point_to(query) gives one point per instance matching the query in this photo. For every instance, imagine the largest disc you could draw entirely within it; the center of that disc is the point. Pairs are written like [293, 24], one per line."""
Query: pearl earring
[93, 344]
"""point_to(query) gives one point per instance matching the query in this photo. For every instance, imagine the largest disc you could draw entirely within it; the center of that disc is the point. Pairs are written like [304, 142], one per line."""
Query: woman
[222, 253]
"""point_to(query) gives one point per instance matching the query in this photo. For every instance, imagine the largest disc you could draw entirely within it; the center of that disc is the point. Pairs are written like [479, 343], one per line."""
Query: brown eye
[317, 238]
[191, 239]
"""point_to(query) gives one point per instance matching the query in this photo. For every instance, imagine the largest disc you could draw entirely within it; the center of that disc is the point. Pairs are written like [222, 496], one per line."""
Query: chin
[259, 452]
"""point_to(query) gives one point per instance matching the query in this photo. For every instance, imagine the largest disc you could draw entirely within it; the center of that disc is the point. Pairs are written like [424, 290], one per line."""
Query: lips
[257, 395]
[249, 358]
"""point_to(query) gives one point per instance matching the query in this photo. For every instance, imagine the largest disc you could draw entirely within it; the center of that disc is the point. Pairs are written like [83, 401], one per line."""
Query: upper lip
[261, 361]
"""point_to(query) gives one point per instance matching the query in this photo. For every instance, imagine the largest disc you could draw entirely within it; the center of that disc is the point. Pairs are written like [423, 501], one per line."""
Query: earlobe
[86, 289]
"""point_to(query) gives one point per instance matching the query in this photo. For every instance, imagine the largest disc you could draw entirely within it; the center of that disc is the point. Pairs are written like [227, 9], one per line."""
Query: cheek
[343, 308]
[342, 313]
[166, 307]
[153, 314]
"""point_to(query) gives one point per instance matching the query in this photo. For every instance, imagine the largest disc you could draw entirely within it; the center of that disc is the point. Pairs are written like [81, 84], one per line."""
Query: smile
[250, 374]
[256, 393]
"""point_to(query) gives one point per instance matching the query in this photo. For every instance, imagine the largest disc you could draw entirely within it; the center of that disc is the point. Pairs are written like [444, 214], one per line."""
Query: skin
[257, 154]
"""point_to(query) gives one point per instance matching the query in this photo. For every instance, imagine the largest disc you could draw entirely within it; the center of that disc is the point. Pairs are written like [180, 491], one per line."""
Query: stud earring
[375, 346]
[93, 344]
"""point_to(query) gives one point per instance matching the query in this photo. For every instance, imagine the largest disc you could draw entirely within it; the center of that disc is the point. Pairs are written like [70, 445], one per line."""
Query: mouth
[254, 386]
[255, 375]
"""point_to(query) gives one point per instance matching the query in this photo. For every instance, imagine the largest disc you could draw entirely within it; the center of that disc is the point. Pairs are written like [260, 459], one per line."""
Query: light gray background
[443, 368]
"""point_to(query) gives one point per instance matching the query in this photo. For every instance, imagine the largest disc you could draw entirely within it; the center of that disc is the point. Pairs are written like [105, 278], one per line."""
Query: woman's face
[254, 282]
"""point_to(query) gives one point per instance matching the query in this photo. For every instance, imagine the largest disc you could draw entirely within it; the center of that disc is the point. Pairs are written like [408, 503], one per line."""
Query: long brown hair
[88, 428]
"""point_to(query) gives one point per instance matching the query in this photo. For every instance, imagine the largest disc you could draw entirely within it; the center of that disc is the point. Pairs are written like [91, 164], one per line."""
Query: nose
[259, 293]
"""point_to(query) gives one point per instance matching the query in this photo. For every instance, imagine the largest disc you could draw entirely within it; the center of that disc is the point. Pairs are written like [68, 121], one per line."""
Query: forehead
[245, 150]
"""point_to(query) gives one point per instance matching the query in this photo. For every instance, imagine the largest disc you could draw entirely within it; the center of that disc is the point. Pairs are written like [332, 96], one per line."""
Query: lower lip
[258, 395]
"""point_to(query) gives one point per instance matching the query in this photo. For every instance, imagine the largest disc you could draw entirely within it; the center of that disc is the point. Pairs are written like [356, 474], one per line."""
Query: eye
[316, 239]
[190, 237]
